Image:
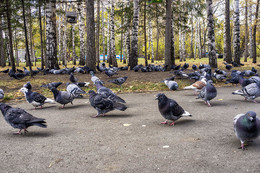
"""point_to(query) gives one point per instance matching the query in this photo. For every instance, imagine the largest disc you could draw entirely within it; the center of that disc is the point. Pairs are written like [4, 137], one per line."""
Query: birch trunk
[191, 39]
[211, 36]
[51, 40]
[16, 48]
[157, 34]
[145, 43]
[133, 60]
[254, 32]
[196, 40]
[180, 45]
[73, 45]
[59, 37]
[64, 39]
[81, 34]
[108, 37]
[246, 34]
[40, 23]
[183, 46]
[151, 38]
[168, 34]
[250, 31]
[227, 37]
[103, 33]
[2, 55]
[97, 32]
[236, 39]
[128, 35]
[113, 60]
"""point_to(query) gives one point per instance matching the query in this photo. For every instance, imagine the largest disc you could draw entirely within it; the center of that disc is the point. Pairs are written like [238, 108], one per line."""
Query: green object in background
[154, 1]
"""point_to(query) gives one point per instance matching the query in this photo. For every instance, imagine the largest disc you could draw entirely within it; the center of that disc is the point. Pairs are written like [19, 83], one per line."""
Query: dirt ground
[134, 140]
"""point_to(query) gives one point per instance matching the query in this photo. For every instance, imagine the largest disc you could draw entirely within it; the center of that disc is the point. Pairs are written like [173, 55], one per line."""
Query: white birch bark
[103, 32]
[82, 31]
[250, 30]
[236, 39]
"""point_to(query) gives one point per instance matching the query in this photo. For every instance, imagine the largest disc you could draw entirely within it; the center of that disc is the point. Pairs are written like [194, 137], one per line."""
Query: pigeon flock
[104, 100]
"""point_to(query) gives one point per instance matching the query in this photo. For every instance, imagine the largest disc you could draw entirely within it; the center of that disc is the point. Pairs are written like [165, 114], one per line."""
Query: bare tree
[112, 35]
[168, 35]
[227, 38]
[254, 33]
[246, 34]
[81, 34]
[97, 31]
[2, 56]
[236, 39]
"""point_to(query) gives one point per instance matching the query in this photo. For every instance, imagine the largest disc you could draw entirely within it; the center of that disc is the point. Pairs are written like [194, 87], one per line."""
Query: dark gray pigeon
[73, 79]
[208, 92]
[107, 92]
[2, 94]
[247, 127]
[170, 109]
[172, 85]
[62, 97]
[20, 119]
[104, 104]
[75, 90]
[250, 92]
[118, 81]
[53, 84]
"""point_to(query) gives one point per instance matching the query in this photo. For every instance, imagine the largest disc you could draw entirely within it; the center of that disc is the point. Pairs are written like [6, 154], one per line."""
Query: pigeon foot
[172, 124]
[165, 122]
[255, 101]
[242, 147]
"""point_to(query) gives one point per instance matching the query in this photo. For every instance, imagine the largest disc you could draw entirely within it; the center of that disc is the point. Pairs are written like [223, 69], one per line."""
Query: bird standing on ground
[2, 94]
[250, 92]
[62, 97]
[197, 86]
[247, 127]
[75, 90]
[118, 81]
[208, 93]
[171, 84]
[170, 109]
[20, 119]
[104, 104]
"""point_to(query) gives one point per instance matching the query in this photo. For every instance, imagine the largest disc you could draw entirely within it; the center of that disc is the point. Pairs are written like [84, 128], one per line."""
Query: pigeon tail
[49, 101]
[38, 122]
[189, 87]
[120, 106]
[186, 114]
[238, 92]
[119, 99]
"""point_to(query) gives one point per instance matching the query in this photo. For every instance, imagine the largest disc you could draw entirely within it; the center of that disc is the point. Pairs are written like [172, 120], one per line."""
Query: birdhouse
[71, 17]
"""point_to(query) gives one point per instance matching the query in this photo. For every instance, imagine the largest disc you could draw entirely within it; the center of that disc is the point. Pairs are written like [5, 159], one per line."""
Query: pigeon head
[160, 96]
[210, 82]
[24, 90]
[251, 115]
[91, 73]
[4, 108]
[28, 85]
[55, 91]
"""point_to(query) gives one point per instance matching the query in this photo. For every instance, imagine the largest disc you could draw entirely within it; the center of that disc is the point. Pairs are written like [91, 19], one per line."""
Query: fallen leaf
[126, 125]
[166, 146]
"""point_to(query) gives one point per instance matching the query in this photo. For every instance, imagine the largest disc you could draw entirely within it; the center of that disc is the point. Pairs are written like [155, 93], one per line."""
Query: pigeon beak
[251, 118]
[156, 98]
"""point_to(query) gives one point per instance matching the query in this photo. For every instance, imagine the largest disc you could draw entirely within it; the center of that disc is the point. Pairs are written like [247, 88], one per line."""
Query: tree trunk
[151, 38]
[211, 36]
[40, 22]
[108, 37]
[172, 41]
[254, 33]
[81, 34]
[236, 39]
[250, 31]
[91, 52]
[180, 45]
[200, 42]
[2, 54]
[26, 40]
[59, 35]
[103, 33]
[133, 60]
[31, 37]
[246, 35]
[8, 15]
[145, 43]
[128, 46]
[113, 47]
[227, 37]
[64, 44]
[16, 48]
[183, 46]
[168, 34]
[97, 32]
[51, 40]
[44, 35]
[73, 45]
[157, 34]
[191, 39]
[196, 40]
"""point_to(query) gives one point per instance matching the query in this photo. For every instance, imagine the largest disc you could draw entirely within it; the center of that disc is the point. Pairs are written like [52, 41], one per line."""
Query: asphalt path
[133, 140]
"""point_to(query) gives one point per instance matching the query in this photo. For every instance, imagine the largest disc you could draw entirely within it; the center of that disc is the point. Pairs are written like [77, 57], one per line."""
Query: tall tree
[246, 35]
[2, 56]
[8, 15]
[64, 37]
[250, 31]
[227, 38]
[81, 34]
[145, 43]
[73, 44]
[112, 40]
[103, 33]
[211, 36]
[254, 33]
[191, 39]
[91, 52]
[236, 39]
[157, 32]
[168, 34]
[40, 22]
[128, 46]
[51, 40]
[26, 40]
[108, 37]
[133, 59]
[59, 34]
[151, 37]
[98, 31]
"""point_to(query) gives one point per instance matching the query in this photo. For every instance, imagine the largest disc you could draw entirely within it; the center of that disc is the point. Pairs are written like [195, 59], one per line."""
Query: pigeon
[104, 104]
[194, 67]
[20, 119]
[171, 84]
[118, 81]
[83, 84]
[185, 66]
[34, 98]
[75, 90]
[208, 93]
[197, 86]
[235, 64]
[20, 71]
[246, 127]
[136, 68]
[93, 77]
[26, 72]
[250, 92]
[219, 77]
[53, 84]
[170, 109]
[14, 75]
[62, 97]
[2, 94]
[107, 92]
[180, 74]
[73, 79]
[5, 71]
[110, 72]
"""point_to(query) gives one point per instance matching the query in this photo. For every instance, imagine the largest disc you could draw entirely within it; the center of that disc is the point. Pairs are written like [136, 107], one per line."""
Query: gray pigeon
[107, 92]
[53, 84]
[250, 92]
[172, 85]
[2, 94]
[20, 119]
[62, 97]
[170, 109]
[208, 92]
[247, 127]
[118, 81]
[75, 90]
[104, 104]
